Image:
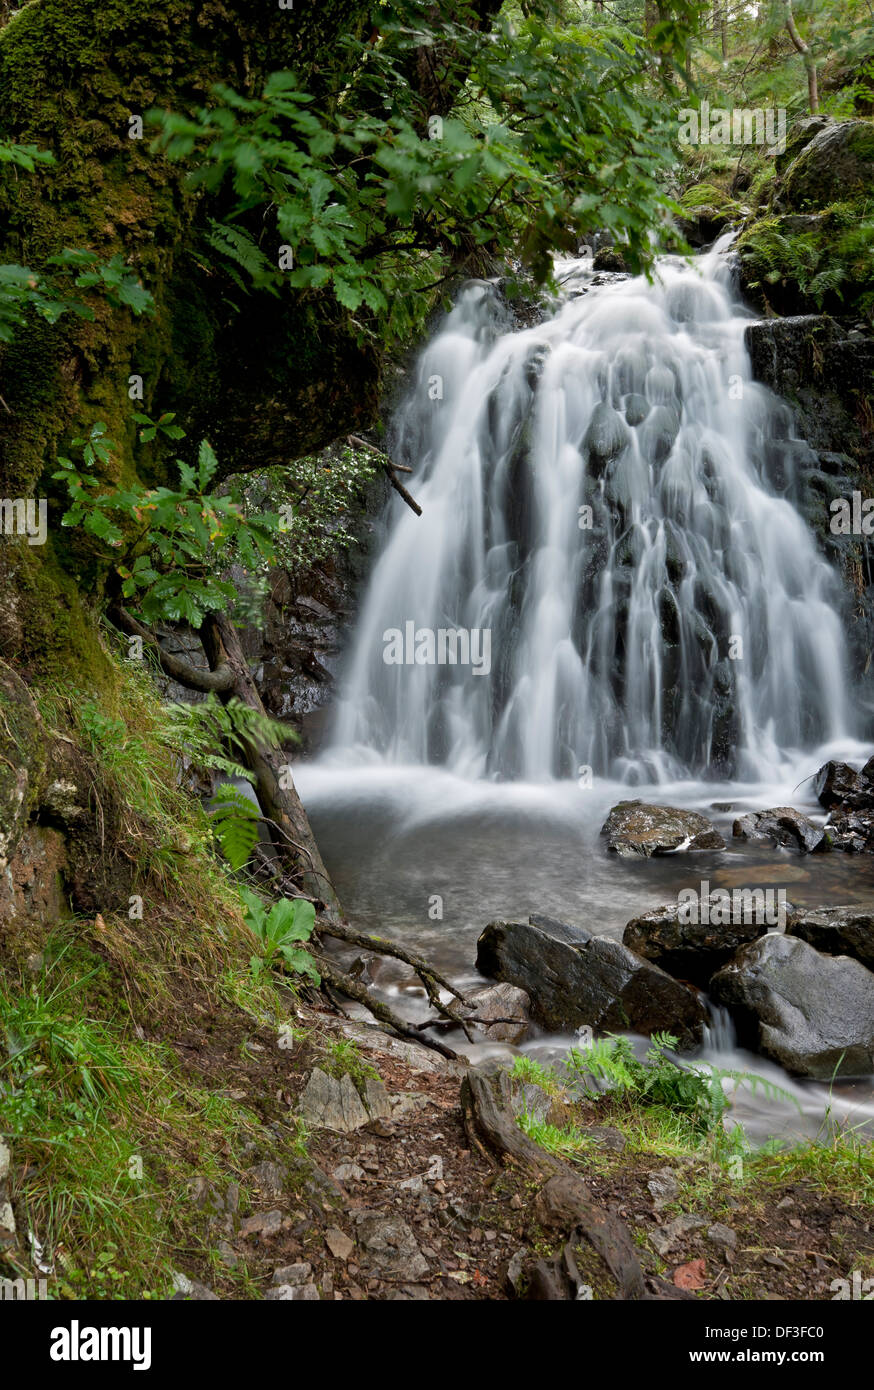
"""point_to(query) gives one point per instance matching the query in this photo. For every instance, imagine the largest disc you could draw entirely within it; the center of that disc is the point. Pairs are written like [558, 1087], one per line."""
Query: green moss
[819, 262]
[707, 195]
[56, 634]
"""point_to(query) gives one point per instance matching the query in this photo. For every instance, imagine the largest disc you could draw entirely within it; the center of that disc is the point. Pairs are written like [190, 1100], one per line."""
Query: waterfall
[610, 510]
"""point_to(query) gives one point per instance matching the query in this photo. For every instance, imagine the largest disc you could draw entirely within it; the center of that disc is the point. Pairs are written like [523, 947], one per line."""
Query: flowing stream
[610, 586]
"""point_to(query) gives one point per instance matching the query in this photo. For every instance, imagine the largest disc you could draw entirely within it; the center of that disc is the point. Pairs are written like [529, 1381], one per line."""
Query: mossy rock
[707, 195]
[22, 759]
[836, 166]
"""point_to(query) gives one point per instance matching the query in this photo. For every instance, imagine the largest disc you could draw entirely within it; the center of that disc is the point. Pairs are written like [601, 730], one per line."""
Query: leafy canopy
[546, 130]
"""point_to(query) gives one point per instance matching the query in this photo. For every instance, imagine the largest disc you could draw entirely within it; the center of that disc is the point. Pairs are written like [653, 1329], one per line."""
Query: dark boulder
[838, 784]
[851, 831]
[837, 931]
[782, 826]
[836, 165]
[637, 829]
[575, 979]
[813, 1014]
[688, 950]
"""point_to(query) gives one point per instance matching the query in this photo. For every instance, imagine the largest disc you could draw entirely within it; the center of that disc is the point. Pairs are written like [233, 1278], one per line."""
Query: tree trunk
[804, 50]
[274, 784]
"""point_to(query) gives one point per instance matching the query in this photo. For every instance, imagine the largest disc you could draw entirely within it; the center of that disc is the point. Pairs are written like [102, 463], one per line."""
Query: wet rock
[637, 408]
[610, 258]
[839, 785]
[813, 1014]
[851, 831]
[575, 979]
[504, 1002]
[781, 826]
[606, 436]
[637, 829]
[837, 931]
[689, 950]
[389, 1247]
[813, 362]
[658, 433]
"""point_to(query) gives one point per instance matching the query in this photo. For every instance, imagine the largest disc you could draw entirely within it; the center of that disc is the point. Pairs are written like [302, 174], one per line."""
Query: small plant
[176, 542]
[693, 1094]
[279, 933]
[525, 1068]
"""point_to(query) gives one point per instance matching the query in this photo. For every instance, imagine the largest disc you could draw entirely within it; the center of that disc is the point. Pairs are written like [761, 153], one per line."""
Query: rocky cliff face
[806, 262]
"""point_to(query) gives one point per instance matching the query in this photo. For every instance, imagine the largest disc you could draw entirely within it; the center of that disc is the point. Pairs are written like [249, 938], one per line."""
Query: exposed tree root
[598, 1258]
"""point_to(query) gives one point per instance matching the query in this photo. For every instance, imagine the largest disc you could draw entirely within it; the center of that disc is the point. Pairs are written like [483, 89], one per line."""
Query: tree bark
[274, 783]
[598, 1249]
[804, 49]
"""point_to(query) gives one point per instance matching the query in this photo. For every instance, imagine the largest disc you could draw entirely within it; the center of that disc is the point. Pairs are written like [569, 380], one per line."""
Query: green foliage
[316, 496]
[341, 1057]
[51, 294]
[205, 732]
[235, 825]
[693, 1094]
[832, 262]
[176, 541]
[554, 134]
[279, 932]
[202, 729]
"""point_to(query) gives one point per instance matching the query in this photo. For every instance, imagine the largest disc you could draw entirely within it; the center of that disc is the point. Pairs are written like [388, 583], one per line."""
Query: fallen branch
[389, 467]
[353, 990]
[431, 979]
[402, 491]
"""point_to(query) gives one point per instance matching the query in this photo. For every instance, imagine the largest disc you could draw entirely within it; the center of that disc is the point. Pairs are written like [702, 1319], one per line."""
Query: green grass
[105, 1134]
[666, 1111]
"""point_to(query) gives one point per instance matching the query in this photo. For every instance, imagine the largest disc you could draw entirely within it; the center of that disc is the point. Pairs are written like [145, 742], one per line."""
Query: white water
[693, 629]
[610, 645]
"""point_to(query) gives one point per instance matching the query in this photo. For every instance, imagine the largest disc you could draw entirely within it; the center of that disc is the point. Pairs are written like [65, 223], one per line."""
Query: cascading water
[610, 497]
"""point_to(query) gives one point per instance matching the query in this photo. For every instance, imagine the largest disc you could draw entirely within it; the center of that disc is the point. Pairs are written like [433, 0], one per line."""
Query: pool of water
[428, 859]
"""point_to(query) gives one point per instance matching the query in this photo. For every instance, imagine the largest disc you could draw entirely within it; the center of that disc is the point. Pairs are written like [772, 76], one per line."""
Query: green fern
[204, 728]
[240, 252]
[694, 1092]
[235, 825]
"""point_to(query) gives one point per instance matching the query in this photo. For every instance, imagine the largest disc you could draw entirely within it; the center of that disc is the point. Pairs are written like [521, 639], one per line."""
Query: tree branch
[222, 678]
